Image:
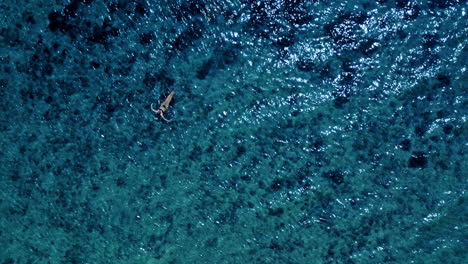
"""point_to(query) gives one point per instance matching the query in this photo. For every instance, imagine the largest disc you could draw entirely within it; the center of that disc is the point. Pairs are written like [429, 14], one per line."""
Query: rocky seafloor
[302, 131]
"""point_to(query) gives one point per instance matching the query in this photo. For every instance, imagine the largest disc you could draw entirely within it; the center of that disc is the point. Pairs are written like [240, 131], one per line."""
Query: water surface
[302, 131]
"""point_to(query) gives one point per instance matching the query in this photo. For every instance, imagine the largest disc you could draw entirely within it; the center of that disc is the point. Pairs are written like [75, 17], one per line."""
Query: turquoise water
[302, 131]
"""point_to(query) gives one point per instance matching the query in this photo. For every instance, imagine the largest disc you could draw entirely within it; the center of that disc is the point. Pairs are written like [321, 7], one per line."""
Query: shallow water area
[302, 131]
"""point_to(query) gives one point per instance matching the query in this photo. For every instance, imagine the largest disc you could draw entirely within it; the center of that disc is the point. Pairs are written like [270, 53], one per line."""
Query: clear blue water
[302, 131]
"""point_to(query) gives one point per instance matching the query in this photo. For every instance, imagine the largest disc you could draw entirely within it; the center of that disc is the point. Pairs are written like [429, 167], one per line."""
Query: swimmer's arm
[154, 110]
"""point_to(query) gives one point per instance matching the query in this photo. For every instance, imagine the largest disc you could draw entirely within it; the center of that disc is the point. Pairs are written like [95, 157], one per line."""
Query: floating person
[164, 106]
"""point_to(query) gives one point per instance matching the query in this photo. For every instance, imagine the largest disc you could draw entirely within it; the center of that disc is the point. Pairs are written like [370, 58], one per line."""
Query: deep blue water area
[302, 131]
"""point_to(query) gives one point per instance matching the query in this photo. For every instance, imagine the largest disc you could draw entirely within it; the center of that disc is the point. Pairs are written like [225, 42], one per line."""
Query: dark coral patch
[443, 80]
[29, 18]
[187, 9]
[101, 34]
[448, 129]
[141, 9]
[430, 41]
[72, 8]
[276, 212]
[69, 22]
[285, 40]
[58, 21]
[335, 176]
[120, 182]
[280, 184]
[401, 3]
[405, 144]
[9, 261]
[443, 3]
[418, 159]
[264, 16]
[161, 77]
[188, 36]
[240, 150]
[368, 47]
[147, 38]
[411, 12]
[137, 8]
[341, 96]
[222, 57]
[297, 14]
[419, 130]
[305, 65]
[62, 21]
[204, 69]
[343, 29]
[95, 64]
[229, 55]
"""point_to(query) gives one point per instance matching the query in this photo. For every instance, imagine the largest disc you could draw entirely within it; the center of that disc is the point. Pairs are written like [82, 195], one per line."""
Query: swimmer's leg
[162, 116]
